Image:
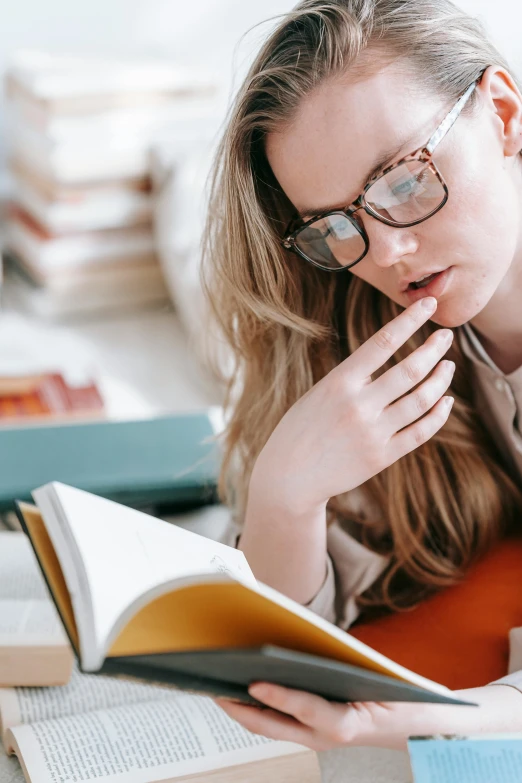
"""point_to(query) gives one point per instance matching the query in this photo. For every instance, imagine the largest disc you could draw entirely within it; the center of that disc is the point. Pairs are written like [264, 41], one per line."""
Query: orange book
[49, 396]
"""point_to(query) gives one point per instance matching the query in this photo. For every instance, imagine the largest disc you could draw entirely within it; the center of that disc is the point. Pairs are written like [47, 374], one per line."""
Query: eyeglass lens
[408, 193]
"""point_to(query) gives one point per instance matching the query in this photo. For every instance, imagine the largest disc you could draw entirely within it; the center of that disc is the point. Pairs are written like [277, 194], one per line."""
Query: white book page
[20, 576]
[30, 622]
[456, 758]
[27, 614]
[141, 743]
[126, 553]
[83, 693]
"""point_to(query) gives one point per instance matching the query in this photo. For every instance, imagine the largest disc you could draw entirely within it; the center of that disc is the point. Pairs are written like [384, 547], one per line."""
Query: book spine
[52, 396]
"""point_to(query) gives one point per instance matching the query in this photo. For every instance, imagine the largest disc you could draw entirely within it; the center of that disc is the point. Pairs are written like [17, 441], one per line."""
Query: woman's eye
[409, 185]
[338, 231]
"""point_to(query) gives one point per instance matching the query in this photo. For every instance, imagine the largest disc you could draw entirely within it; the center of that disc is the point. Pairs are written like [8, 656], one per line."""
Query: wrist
[273, 494]
[499, 710]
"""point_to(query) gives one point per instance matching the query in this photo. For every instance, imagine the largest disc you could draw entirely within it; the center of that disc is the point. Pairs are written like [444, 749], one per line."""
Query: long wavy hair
[443, 505]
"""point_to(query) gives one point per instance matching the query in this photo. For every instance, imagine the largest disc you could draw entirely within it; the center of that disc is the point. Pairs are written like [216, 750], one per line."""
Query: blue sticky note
[487, 758]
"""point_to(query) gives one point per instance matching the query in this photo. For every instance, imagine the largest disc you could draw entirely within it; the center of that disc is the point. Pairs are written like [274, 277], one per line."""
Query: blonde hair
[444, 504]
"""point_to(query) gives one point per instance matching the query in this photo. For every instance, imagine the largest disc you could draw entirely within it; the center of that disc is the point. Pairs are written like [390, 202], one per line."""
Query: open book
[140, 597]
[34, 649]
[108, 729]
[456, 758]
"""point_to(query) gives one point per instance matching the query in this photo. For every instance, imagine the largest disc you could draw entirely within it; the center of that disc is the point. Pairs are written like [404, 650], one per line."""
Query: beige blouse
[351, 568]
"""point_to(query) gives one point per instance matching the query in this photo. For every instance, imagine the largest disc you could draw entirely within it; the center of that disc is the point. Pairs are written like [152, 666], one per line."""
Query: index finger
[372, 354]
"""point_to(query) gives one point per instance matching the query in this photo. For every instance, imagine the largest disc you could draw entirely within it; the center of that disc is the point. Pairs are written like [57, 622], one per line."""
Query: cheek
[384, 280]
[479, 238]
[477, 231]
[483, 208]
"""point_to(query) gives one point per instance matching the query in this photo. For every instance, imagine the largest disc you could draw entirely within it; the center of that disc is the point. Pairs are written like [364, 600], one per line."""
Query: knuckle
[306, 714]
[412, 371]
[422, 402]
[384, 339]
[339, 387]
[357, 413]
[343, 732]
[419, 434]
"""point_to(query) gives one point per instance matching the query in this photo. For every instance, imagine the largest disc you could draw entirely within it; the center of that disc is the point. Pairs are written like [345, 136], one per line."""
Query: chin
[451, 314]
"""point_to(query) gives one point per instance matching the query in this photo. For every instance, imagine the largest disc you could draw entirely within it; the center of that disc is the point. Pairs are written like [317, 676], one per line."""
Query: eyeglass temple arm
[448, 121]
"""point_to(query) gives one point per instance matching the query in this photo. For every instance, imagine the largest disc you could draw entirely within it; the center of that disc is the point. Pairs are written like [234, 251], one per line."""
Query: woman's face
[323, 158]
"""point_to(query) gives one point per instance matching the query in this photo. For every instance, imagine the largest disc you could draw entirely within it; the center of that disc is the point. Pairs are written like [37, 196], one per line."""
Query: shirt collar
[477, 354]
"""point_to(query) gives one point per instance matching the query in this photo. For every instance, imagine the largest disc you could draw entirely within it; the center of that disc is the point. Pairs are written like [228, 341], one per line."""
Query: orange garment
[458, 637]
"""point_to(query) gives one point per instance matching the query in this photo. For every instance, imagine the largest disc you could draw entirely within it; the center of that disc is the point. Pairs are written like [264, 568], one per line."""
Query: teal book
[167, 462]
[486, 758]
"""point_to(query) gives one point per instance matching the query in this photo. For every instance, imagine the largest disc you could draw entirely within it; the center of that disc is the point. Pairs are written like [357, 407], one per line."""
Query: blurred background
[109, 115]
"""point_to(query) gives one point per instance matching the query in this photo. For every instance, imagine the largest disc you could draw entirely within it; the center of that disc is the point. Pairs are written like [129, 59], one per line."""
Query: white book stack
[79, 230]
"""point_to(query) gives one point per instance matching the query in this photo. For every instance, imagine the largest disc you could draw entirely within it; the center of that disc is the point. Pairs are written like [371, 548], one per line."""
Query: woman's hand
[344, 430]
[309, 720]
[348, 428]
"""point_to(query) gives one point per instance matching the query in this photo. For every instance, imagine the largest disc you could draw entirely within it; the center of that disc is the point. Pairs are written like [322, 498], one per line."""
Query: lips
[407, 282]
[436, 286]
[423, 282]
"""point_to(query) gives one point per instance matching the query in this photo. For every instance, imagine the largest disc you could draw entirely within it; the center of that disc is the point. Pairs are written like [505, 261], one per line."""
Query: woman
[369, 190]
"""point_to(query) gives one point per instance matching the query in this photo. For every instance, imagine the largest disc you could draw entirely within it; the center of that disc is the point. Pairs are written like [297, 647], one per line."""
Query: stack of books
[79, 228]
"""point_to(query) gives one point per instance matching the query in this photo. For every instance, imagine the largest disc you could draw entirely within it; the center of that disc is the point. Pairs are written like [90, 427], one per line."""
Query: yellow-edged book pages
[143, 597]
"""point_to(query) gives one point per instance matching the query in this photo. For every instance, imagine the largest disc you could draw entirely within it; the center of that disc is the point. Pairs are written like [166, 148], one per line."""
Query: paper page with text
[140, 743]
[27, 613]
[30, 622]
[495, 758]
[20, 576]
[126, 553]
[83, 693]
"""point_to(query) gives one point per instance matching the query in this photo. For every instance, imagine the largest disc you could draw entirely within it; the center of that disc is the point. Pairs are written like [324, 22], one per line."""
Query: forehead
[342, 128]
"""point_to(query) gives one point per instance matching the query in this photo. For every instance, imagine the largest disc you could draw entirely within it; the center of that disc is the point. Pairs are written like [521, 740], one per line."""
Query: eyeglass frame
[422, 154]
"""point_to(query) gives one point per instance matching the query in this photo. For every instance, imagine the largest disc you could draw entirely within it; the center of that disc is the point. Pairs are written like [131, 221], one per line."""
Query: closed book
[68, 83]
[69, 165]
[115, 287]
[71, 193]
[45, 250]
[107, 272]
[47, 396]
[34, 649]
[169, 460]
[134, 125]
[140, 597]
[74, 209]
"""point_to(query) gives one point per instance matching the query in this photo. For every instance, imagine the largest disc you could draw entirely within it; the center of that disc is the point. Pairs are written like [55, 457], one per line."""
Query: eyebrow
[381, 162]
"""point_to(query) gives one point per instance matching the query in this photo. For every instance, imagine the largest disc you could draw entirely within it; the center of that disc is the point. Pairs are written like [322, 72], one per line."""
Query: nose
[388, 244]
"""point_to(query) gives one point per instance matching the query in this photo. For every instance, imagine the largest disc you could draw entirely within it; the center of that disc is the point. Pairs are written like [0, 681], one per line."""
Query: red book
[47, 396]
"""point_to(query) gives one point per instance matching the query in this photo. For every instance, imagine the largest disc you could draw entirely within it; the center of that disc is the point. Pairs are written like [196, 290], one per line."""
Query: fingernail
[429, 302]
[445, 335]
[448, 402]
[258, 690]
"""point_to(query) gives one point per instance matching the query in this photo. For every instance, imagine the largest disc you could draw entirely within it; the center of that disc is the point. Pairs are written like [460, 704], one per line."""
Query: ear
[502, 96]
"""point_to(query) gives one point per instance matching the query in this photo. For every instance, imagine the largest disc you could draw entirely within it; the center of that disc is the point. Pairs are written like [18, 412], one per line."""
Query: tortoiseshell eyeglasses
[404, 194]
